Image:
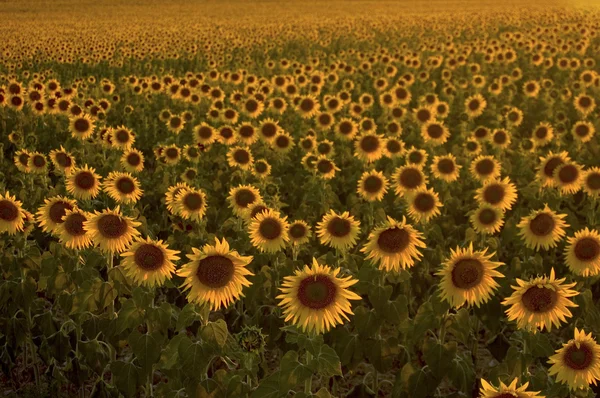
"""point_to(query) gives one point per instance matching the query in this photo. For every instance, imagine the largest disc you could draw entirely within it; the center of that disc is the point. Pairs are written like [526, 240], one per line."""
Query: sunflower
[299, 232]
[326, 148]
[485, 168]
[62, 160]
[172, 192]
[122, 187]
[51, 213]
[316, 298]
[190, 204]
[549, 164]
[501, 138]
[542, 134]
[83, 183]
[189, 175]
[416, 157]
[339, 231]
[473, 147]
[475, 105]
[540, 302]
[569, 178]
[497, 193]
[407, 179]
[72, 231]
[21, 160]
[346, 128]
[269, 231]
[582, 252]
[37, 163]
[542, 228]
[435, 133]
[468, 276]
[394, 245]
[393, 148]
[122, 138]
[423, 204]
[583, 131]
[12, 216]
[204, 134]
[81, 127]
[325, 167]
[577, 363]
[445, 168]
[503, 391]
[268, 129]
[283, 142]
[111, 231]
[591, 182]
[149, 262]
[171, 154]
[487, 219]
[215, 275]
[584, 104]
[240, 157]
[241, 197]
[372, 185]
[254, 210]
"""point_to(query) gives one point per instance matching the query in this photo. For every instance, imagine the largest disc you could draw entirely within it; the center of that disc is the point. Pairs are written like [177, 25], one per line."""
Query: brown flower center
[192, 201]
[435, 130]
[494, 194]
[339, 227]
[85, 180]
[81, 125]
[372, 184]
[58, 210]
[122, 136]
[241, 156]
[542, 225]
[485, 167]
[593, 181]
[551, 165]
[587, 249]
[73, 224]
[149, 257]
[539, 299]
[125, 185]
[244, 197]
[317, 292]
[270, 229]
[568, 174]
[578, 358]
[112, 226]
[63, 159]
[324, 166]
[467, 273]
[424, 202]
[487, 216]
[411, 178]
[446, 166]
[393, 240]
[133, 159]
[297, 231]
[8, 211]
[215, 271]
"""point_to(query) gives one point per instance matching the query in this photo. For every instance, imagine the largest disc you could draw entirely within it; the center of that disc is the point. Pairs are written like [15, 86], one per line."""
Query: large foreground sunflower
[542, 228]
[582, 252]
[577, 363]
[316, 299]
[503, 391]
[468, 276]
[339, 231]
[540, 303]
[394, 245]
[215, 275]
[112, 231]
[149, 262]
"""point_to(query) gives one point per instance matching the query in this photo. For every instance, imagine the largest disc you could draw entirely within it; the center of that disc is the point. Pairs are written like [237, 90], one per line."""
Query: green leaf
[462, 372]
[460, 326]
[126, 376]
[215, 333]
[326, 362]
[538, 344]
[129, 316]
[397, 310]
[169, 358]
[366, 321]
[195, 358]
[422, 383]
[146, 348]
[439, 357]
[349, 348]
[379, 297]
[188, 315]
[280, 382]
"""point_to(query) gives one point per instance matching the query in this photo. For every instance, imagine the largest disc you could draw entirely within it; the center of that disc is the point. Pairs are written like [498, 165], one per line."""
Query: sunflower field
[299, 199]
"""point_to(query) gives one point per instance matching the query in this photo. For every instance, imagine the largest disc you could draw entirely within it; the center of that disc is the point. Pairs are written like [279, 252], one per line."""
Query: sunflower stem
[308, 381]
[110, 267]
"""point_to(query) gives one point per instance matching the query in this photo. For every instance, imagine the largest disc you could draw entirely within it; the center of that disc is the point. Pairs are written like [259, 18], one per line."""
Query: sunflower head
[542, 228]
[541, 302]
[468, 277]
[582, 252]
[112, 231]
[269, 231]
[507, 391]
[372, 185]
[215, 275]
[12, 216]
[316, 298]
[339, 231]
[149, 262]
[577, 363]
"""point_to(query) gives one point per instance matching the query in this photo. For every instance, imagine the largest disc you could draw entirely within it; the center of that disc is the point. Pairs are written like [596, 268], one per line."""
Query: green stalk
[308, 381]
